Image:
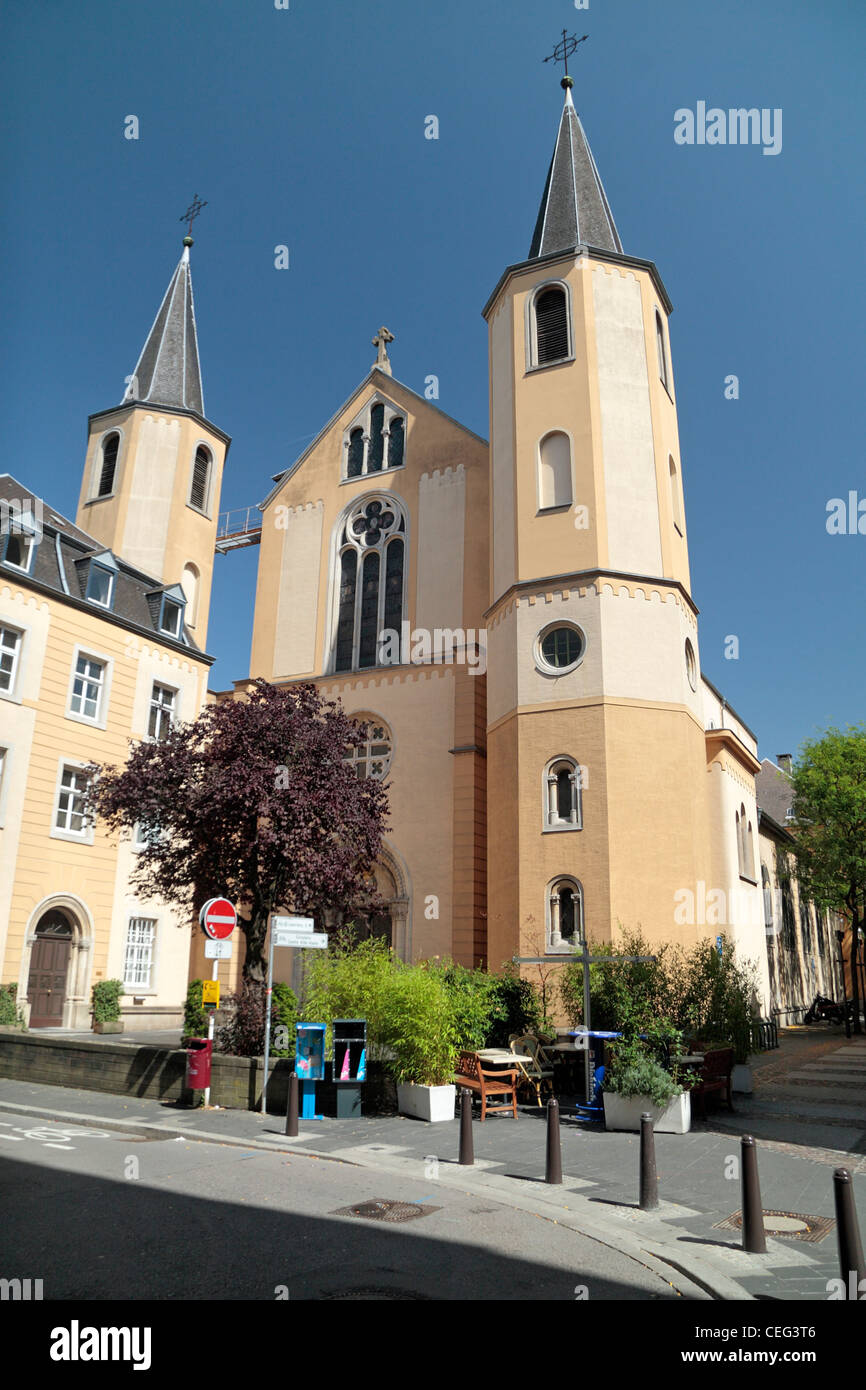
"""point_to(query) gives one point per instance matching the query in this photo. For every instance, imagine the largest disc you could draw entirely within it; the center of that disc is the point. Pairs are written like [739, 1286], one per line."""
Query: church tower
[153, 470]
[596, 751]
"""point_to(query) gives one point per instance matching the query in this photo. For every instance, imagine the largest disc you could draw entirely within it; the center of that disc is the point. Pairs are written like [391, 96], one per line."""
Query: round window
[559, 648]
[691, 665]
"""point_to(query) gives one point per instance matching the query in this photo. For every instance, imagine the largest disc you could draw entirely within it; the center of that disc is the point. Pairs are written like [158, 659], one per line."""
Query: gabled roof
[168, 370]
[379, 381]
[574, 208]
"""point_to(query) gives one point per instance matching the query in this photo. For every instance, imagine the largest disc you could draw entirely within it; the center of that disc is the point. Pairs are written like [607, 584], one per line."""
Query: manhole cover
[787, 1225]
[381, 1210]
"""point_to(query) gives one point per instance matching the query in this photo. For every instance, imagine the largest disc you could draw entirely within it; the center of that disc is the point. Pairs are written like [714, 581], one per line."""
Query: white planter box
[741, 1079]
[624, 1112]
[427, 1102]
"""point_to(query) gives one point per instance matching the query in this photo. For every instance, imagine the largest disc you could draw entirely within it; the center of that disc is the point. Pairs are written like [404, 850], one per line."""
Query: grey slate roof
[168, 371]
[61, 565]
[574, 209]
[774, 791]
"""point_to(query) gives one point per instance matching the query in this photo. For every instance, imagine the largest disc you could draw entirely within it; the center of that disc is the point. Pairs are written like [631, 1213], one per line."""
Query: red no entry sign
[218, 917]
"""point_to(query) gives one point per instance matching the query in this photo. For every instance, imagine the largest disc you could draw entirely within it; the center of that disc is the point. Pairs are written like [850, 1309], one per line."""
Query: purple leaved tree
[253, 801]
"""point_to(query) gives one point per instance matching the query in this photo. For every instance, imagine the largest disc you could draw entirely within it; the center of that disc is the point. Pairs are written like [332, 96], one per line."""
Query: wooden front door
[46, 983]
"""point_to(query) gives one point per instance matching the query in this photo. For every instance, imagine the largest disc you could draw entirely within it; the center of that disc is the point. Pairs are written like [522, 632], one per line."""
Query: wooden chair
[500, 1084]
[715, 1075]
[536, 1070]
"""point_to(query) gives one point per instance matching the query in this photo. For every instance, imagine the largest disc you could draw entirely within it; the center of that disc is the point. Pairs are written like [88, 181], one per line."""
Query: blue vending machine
[309, 1064]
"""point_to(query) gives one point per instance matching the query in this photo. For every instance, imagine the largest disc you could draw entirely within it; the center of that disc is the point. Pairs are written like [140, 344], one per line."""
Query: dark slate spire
[574, 209]
[168, 371]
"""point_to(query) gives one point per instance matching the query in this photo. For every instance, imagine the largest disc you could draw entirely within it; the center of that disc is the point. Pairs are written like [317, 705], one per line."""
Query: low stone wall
[158, 1073]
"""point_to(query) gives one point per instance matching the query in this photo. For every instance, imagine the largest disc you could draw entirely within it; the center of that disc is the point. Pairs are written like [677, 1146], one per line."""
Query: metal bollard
[467, 1146]
[292, 1108]
[848, 1233]
[649, 1183]
[754, 1240]
[553, 1167]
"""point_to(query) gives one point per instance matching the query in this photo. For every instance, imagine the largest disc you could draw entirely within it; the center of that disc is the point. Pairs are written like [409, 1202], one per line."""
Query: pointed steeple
[168, 371]
[574, 209]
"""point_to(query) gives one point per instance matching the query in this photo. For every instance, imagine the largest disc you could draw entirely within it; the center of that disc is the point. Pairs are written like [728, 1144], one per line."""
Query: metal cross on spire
[192, 213]
[563, 51]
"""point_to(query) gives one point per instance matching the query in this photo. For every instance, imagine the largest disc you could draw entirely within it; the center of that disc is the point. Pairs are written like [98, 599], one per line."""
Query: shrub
[284, 1014]
[420, 1030]
[195, 1021]
[11, 1013]
[633, 1071]
[349, 980]
[473, 1001]
[243, 1032]
[105, 1001]
[519, 1008]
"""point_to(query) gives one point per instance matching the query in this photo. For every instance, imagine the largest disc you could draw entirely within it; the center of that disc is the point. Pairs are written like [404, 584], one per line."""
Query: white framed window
[676, 503]
[691, 665]
[163, 708]
[69, 818]
[19, 550]
[100, 585]
[11, 642]
[171, 616]
[563, 784]
[375, 442]
[143, 836]
[564, 914]
[138, 959]
[662, 353]
[190, 581]
[559, 648]
[87, 697]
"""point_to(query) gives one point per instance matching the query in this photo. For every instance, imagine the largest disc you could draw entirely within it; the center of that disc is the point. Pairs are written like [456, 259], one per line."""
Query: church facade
[512, 621]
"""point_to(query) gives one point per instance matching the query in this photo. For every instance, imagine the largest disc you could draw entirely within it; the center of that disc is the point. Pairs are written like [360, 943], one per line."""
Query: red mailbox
[198, 1059]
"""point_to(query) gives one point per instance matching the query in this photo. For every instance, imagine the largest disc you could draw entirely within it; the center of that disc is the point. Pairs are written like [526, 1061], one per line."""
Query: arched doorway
[49, 969]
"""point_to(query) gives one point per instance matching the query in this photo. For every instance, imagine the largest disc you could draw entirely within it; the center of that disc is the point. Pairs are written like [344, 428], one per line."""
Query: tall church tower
[596, 750]
[153, 470]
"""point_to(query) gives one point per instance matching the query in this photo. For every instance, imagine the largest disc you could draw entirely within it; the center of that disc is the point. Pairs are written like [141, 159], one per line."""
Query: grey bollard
[848, 1233]
[467, 1146]
[292, 1108]
[649, 1183]
[754, 1240]
[553, 1167]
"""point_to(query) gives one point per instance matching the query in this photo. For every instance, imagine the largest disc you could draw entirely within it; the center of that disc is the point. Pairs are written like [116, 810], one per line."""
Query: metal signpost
[586, 961]
[218, 918]
[285, 931]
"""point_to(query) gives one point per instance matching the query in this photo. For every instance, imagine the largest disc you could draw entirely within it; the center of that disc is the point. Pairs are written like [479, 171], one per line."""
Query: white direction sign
[292, 923]
[218, 950]
[300, 938]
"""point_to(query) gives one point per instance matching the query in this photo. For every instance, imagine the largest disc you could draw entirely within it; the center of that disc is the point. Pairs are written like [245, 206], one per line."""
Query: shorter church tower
[153, 470]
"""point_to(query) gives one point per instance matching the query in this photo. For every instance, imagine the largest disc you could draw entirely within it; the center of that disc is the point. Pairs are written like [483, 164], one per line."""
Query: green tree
[829, 782]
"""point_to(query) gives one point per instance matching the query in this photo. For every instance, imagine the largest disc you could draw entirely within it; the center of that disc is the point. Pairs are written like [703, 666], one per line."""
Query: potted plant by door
[741, 1076]
[105, 1003]
[418, 1032]
[636, 1084]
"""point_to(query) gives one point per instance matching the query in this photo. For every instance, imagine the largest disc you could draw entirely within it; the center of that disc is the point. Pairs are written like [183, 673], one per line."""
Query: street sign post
[285, 931]
[218, 918]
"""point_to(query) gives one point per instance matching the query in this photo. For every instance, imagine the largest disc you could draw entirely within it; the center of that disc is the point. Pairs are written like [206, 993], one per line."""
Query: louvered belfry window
[109, 463]
[200, 476]
[551, 325]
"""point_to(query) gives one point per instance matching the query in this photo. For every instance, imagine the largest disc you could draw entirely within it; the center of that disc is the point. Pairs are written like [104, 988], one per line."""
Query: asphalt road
[103, 1215]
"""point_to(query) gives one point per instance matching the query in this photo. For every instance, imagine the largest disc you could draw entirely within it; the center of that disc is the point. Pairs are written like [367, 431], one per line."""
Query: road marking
[14, 1138]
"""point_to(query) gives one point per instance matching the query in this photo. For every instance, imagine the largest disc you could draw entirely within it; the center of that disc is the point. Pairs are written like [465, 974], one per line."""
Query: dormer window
[18, 546]
[375, 440]
[200, 483]
[171, 617]
[100, 581]
[108, 468]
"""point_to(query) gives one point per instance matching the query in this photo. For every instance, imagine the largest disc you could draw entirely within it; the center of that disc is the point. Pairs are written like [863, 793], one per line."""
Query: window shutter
[109, 462]
[200, 471]
[551, 320]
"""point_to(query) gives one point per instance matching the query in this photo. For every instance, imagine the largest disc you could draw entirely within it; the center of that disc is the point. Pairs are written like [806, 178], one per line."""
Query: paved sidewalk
[697, 1176]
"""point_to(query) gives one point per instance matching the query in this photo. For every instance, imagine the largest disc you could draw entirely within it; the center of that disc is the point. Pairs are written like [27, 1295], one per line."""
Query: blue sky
[305, 127]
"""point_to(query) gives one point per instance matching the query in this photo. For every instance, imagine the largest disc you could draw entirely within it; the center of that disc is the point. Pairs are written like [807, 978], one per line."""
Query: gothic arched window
[370, 566]
[200, 483]
[375, 440]
[676, 506]
[564, 914]
[554, 470]
[355, 462]
[550, 312]
[660, 345]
